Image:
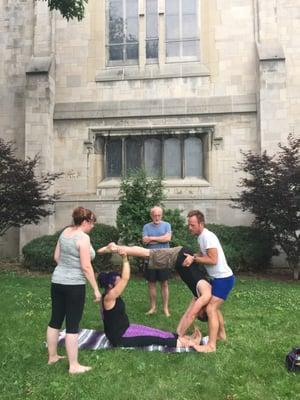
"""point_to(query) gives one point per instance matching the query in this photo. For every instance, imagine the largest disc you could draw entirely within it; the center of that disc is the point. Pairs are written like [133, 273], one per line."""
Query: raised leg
[135, 251]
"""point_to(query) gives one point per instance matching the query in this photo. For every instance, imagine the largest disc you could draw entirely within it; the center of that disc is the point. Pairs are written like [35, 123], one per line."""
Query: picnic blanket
[91, 339]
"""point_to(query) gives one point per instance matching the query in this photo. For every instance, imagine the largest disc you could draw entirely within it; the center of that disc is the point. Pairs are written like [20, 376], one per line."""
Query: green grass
[262, 322]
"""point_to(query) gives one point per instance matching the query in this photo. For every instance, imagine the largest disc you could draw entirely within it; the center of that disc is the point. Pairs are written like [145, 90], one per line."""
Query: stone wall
[58, 96]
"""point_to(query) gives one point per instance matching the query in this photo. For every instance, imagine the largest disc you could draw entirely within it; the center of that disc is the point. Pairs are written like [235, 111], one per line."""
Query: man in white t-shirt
[212, 256]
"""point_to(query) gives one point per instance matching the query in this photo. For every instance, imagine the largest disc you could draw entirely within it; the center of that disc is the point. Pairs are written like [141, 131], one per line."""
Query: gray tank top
[68, 270]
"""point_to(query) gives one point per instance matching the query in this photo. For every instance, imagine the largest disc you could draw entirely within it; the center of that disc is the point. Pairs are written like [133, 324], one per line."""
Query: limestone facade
[60, 97]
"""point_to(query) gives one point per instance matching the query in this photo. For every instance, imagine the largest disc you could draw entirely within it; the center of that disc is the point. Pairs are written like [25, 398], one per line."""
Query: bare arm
[85, 261]
[115, 292]
[158, 239]
[210, 259]
[57, 252]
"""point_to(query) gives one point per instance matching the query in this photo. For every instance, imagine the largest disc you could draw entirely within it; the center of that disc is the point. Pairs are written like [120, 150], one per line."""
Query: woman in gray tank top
[73, 254]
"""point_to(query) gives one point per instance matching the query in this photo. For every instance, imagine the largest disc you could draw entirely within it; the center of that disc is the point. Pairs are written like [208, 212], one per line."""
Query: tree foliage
[69, 9]
[138, 193]
[24, 197]
[271, 191]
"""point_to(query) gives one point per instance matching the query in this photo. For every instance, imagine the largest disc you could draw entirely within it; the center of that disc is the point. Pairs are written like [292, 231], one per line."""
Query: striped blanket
[95, 340]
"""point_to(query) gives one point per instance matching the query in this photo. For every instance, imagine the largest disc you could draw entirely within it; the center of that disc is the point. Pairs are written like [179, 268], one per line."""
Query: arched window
[172, 158]
[193, 157]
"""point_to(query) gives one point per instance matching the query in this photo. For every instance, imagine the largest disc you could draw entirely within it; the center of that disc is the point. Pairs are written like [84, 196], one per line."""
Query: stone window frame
[159, 69]
[142, 36]
[206, 133]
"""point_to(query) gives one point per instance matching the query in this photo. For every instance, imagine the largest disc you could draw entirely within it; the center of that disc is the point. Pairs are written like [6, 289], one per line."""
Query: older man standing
[157, 235]
[212, 256]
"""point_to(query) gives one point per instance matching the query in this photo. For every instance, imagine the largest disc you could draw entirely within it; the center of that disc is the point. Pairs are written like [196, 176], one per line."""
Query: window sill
[152, 71]
[112, 183]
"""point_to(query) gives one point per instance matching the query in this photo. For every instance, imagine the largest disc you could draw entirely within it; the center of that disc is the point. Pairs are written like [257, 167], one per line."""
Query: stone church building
[178, 86]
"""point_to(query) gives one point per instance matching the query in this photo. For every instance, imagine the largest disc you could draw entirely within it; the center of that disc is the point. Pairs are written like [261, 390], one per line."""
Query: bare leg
[165, 297]
[213, 325]
[152, 298]
[72, 351]
[221, 332]
[52, 339]
[195, 306]
[135, 251]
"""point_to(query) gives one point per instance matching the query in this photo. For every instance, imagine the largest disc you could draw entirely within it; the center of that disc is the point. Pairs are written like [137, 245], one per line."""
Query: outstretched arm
[119, 288]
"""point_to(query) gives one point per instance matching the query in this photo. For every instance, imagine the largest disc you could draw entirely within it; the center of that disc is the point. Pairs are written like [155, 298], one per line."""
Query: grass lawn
[262, 321]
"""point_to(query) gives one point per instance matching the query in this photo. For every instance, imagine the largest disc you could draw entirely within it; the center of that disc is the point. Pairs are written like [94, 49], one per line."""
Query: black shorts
[156, 275]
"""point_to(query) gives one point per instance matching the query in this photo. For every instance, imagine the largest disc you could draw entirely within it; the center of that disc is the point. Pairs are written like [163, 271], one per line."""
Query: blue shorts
[221, 287]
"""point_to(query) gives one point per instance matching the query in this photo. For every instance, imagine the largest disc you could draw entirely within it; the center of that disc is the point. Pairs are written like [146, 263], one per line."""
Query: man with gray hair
[157, 235]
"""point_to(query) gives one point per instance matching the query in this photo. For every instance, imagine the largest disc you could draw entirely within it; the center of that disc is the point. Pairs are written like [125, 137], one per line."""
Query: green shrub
[246, 248]
[38, 254]
[138, 194]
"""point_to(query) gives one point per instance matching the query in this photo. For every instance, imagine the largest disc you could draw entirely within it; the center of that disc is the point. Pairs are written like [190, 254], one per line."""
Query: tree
[138, 193]
[24, 197]
[69, 9]
[271, 191]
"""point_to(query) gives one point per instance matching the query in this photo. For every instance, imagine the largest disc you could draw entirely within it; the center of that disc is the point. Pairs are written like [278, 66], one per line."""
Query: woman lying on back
[117, 327]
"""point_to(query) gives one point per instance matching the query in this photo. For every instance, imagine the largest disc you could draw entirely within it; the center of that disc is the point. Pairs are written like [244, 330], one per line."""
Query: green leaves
[271, 191]
[69, 9]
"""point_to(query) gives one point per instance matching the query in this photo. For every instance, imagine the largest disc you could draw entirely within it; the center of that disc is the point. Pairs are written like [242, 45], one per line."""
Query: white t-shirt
[208, 240]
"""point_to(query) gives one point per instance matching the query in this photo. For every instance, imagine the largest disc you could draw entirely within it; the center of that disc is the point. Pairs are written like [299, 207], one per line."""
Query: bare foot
[110, 248]
[196, 336]
[167, 313]
[79, 369]
[222, 336]
[206, 348]
[151, 311]
[53, 360]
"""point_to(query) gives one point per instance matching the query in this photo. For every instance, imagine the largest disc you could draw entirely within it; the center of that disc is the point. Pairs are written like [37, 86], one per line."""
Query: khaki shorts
[163, 258]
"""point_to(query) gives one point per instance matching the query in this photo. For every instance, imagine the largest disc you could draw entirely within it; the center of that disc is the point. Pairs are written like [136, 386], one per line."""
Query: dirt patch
[17, 267]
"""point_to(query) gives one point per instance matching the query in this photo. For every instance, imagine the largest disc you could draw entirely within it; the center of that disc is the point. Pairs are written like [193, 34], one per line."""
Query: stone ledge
[152, 71]
[156, 107]
[39, 65]
[270, 50]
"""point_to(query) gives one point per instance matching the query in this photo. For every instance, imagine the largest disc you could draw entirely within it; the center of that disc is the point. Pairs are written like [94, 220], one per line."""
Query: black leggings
[141, 341]
[67, 303]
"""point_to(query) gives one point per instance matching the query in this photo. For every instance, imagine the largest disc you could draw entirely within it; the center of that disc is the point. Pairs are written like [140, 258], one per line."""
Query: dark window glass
[152, 155]
[193, 158]
[114, 158]
[133, 150]
[172, 158]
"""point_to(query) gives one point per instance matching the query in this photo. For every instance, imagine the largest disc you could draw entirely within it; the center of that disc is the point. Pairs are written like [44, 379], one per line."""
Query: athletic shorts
[163, 258]
[221, 287]
[156, 275]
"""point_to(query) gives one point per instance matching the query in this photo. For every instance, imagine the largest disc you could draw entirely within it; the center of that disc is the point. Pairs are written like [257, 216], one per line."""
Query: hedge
[38, 254]
[246, 248]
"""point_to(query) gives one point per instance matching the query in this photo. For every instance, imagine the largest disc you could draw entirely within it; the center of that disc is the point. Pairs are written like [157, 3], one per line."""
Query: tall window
[127, 28]
[151, 29]
[173, 156]
[123, 30]
[181, 29]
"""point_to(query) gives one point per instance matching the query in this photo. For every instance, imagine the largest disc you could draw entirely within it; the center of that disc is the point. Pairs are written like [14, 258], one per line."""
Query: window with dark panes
[151, 29]
[173, 156]
[113, 152]
[123, 30]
